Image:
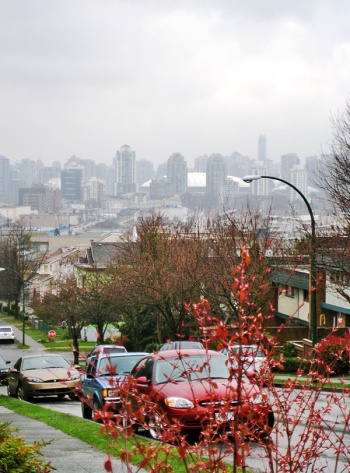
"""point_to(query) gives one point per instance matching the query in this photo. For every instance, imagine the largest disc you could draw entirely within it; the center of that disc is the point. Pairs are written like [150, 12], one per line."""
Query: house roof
[100, 254]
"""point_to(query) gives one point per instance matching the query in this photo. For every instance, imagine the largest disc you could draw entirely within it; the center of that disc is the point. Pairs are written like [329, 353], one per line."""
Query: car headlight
[178, 402]
[110, 392]
[73, 377]
[34, 380]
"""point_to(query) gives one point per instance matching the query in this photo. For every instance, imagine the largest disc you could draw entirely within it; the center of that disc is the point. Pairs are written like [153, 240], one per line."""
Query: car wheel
[127, 423]
[155, 425]
[21, 394]
[86, 411]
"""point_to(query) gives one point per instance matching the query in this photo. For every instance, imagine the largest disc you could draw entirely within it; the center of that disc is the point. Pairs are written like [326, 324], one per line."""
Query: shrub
[292, 365]
[333, 354]
[16, 456]
[289, 350]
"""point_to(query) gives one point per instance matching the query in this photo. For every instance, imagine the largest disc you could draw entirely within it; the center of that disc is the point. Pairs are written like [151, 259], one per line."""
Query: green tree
[19, 255]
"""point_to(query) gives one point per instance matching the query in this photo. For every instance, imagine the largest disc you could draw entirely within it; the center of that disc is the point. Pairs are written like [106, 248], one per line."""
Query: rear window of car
[248, 351]
[184, 344]
[5, 329]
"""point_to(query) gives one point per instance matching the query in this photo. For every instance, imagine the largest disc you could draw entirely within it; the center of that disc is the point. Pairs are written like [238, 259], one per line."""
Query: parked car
[106, 350]
[190, 391]
[100, 383]
[181, 344]
[250, 358]
[42, 375]
[3, 369]
[7, 334]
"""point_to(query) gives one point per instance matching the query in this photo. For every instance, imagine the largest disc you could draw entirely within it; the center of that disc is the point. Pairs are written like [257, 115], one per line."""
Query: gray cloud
[87, 76]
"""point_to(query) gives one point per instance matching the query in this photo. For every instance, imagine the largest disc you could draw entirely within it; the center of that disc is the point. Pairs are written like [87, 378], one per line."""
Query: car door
[13, 377]
[144, 369]
[89, 378]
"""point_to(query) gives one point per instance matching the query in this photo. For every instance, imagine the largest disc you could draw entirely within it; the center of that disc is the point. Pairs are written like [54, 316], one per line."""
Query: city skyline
[192, 77]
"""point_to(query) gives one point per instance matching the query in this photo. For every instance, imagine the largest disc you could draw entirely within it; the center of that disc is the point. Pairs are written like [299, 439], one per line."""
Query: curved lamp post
[23, 301]
[312, 292]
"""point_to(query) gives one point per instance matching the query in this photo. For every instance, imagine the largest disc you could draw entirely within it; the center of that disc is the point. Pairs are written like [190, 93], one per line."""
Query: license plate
[224, 416]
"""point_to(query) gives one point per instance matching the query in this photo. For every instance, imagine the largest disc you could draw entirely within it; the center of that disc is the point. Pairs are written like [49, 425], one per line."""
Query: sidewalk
[66, 453]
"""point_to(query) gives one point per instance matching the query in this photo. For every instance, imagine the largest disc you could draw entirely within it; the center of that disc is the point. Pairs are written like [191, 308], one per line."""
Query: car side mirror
[142, 380]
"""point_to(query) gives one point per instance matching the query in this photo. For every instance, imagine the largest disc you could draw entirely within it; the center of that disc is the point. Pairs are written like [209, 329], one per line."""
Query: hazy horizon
[85, 77]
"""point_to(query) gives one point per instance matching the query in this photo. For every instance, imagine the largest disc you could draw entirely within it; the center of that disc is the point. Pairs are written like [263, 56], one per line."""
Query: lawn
[93, 434]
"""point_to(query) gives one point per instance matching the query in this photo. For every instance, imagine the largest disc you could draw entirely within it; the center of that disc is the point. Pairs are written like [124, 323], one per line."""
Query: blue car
[99, 385]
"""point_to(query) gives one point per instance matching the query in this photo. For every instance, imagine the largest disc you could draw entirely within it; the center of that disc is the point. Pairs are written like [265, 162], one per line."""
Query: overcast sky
[85, 77]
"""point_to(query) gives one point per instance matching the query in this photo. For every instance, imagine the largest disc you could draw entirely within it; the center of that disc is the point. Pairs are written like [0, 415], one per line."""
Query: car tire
[86, 411]
[127, 423]
[155, 426]
[21, 394]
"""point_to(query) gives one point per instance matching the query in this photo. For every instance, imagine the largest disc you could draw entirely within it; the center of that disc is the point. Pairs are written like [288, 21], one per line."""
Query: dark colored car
[191, 389]
[100, 383]
[42, 375]
[3, 369]
[181, 345]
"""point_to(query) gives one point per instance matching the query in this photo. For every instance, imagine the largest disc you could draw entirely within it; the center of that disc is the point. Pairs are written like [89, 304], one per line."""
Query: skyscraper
[4, 178]
[71, 184]
[260, 186]
[125, 171]
[216, 177]
[299, 180]
[177, 174]
[287, 162]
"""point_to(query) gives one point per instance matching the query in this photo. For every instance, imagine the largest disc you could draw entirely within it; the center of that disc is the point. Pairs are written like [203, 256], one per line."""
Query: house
[58, 265]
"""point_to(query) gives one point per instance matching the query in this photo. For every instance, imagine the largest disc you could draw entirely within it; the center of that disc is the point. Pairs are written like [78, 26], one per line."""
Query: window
[289, 291]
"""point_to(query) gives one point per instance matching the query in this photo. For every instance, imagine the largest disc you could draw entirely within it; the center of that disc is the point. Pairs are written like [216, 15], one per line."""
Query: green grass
[333, 382]
[59, 343]
[91, 433]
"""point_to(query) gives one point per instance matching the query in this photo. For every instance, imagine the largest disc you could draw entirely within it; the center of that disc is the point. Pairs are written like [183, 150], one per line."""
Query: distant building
[4, 178]
[125, 171]
[177, 174]
[287, 162]
[200, 163]
[107, 174]
[260, 186]
[27, 172]
[159, 188]
[40, 198]
[95, 190]
[216, 177]
[144, 171]
[299, 180]
[71, 184]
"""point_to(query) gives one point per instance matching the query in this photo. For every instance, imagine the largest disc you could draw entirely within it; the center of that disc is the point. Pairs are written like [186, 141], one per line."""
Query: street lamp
[312, 278]
[23, 301]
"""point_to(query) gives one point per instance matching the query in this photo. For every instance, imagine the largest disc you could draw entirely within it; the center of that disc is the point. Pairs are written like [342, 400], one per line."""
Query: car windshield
[45, 362]
[115, 365]
[249, 351]
[194, 367]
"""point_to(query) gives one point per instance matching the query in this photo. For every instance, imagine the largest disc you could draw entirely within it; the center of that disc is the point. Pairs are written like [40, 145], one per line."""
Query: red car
[189, 390]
